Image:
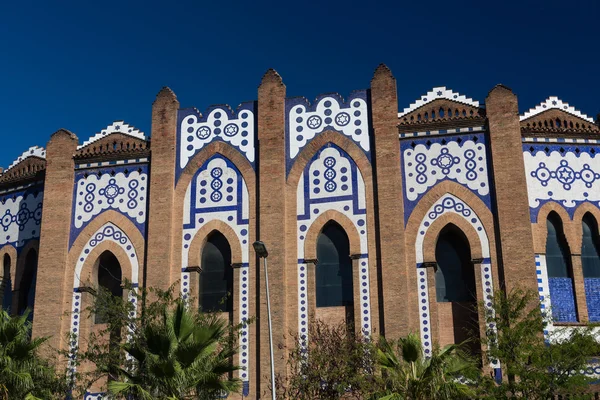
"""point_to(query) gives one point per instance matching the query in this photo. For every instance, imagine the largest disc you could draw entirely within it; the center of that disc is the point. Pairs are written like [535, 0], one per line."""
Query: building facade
[392, 222]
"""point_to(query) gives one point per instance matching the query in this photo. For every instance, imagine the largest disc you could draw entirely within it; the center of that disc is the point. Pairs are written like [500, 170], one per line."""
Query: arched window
[590, 247]
[558, 257]
[27, 285]
[6, 284]
[334, 268]
[216, 277]
[455, 276]
[560, 278]
[590, 261]
[109, 278]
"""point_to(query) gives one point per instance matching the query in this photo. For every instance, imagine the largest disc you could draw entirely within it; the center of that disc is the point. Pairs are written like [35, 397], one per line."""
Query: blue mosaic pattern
[219, 123]
[429, 160]
[329, 112]
[566, 173]
[123, 189]
[563, 299]
[592, 295]
[21, 216]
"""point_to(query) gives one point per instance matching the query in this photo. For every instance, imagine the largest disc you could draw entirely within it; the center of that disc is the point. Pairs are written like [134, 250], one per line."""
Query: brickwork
[392, 180]
[273, 228]
[512, 218]
[52, 300]
[162, 269]
[393, 270]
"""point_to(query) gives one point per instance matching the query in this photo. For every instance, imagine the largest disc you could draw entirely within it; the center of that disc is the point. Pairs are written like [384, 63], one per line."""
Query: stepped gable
[554, 116]
[441, 108]
[116, 141]
[28, 166]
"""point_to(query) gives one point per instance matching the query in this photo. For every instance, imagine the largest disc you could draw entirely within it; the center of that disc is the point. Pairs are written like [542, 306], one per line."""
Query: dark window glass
[28, 280]
[455, 276]
[216, 278]
[590, 252]
[109, 278]
[6, 284]
[557, 252]
[334, 268]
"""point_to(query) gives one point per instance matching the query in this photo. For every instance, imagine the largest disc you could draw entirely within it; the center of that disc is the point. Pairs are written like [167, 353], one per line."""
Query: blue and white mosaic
[426, 162]
[328, 112]
[195, 131]
[123, 189]
[332, 181]
[568, 174]
[108, 232]
[21, 216]
[218, 191]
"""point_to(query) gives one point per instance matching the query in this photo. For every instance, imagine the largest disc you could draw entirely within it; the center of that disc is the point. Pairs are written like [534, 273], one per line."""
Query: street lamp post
[261, 251]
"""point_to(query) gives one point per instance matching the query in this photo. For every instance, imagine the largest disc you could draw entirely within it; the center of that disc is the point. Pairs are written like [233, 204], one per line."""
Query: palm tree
[181, 355]
[23, 374]
[407, 374]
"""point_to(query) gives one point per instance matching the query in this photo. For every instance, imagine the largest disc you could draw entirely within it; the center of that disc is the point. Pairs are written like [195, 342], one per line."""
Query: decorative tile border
[409, 135]
[111, 163]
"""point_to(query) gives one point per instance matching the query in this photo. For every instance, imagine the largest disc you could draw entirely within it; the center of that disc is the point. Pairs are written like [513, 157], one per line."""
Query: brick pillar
[161, 268]
[513, 226]
[579, 288]
[272, 223]
[393, 279]
[52, 292]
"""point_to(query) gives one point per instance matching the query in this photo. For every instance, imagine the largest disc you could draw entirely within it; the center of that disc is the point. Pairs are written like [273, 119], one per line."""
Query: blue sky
[81, 65]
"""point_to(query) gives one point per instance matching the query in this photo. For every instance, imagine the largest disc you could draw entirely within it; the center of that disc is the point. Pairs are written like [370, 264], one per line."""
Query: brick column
[393, 279]
[52, 292]
[161, 268]
[579, 287]
[513, 226]
[272, 223]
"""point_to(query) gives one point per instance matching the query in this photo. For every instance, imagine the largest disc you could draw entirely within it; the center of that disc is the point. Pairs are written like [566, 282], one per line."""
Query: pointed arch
[472, 236]
[578, 215]
[333, 276]
[108, 277]
[10, 251]
[121, 222]
[559, 271]
[201, 237]
[26, 276]
[316, 228]
[320, 141]
[215, 292]
[455, 275]
[540, 229]
[590, 248]
[218, 147]
[484, 219]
